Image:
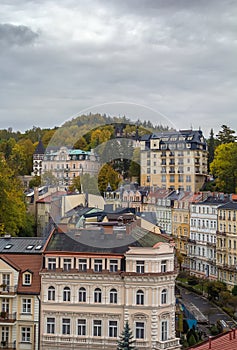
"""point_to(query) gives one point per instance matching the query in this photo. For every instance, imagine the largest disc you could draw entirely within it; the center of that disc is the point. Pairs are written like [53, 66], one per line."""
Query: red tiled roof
[226, 341]
[23, 262]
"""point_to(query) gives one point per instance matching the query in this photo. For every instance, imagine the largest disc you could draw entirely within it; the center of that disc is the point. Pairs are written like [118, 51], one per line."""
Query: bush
[191, 340]
[192, 280]
[234, 290]
[214, 330]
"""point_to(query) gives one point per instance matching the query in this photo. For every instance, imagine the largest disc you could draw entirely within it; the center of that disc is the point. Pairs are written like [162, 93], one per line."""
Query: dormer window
[27, 276]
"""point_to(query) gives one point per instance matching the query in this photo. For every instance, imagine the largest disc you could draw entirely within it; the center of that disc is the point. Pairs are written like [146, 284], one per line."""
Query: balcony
[168, 344]
[7, 290]
[7, 346]
[6, 318]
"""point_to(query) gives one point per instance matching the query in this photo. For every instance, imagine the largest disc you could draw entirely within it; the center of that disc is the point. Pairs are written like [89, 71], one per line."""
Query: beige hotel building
[174, 159]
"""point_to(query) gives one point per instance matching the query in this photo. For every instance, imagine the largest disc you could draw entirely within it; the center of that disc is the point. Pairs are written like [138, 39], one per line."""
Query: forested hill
[78, 127]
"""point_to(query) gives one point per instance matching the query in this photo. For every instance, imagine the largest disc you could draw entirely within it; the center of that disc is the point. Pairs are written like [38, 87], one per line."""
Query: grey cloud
[16, 35]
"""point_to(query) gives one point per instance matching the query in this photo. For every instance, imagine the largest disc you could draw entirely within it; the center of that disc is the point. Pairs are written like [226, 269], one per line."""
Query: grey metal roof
[94, 240]
[29, 245]
[229, 205]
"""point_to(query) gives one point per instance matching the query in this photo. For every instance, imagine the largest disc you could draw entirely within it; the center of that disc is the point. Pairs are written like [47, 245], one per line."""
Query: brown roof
[226, 341]
[22, 263]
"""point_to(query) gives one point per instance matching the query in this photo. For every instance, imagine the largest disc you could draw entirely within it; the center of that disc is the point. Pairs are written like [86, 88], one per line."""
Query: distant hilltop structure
[65, 164]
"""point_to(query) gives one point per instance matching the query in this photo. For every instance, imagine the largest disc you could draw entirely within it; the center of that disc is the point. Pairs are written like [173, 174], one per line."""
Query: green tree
[234, 290]
[126, 339]
[214, 288]
[35, 182]
[224, 167]
[226, 135]
[76, 184]
[12, 204]
[108, 175]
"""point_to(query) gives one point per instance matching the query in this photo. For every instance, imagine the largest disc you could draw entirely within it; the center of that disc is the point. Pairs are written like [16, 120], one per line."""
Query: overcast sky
[177, 58]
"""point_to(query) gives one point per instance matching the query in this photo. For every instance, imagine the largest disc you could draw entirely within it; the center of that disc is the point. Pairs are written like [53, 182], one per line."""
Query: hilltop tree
[211, 147]
[126, 339]
[226, 135]
[224, 167]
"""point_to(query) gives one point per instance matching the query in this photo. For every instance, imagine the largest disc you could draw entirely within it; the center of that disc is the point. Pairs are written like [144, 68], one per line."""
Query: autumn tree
[108, 175]
[13, 208]
[76, 184]
[224, 167]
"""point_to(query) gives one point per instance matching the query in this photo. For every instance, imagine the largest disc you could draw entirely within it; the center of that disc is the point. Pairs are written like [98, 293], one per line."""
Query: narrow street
[204, 310]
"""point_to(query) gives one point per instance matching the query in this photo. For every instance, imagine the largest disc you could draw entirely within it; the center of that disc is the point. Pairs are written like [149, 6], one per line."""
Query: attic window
[27, 279]
[29, 247]
[38, 247]
[8, 246]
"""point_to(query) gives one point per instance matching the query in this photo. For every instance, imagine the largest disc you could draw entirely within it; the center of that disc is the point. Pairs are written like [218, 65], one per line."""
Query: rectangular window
[5, 305]
[67, 264]
[5, 281]
[81, 327]
[98, 265]
[26, 306]
[140, 266]
[50, 325]
[51, 263]
[113, 265]
[164, 330]
[140, 330]
[27, 279]
[97, 328]
[25, 334]
[82, 264]
[66, 323]
[113, 329]
[163, 265]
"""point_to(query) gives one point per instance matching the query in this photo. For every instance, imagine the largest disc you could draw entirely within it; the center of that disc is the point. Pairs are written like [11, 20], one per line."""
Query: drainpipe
[39, 321]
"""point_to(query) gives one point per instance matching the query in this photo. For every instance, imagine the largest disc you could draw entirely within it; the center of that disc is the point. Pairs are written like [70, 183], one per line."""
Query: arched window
[113, 296]
[51, 293]
[140, 297]
[164, 296]
[66, 294]
[82, 295]
[97, 295]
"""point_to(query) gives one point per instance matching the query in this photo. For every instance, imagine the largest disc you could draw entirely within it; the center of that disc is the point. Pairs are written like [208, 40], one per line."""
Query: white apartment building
[203, 231]
[88, 293]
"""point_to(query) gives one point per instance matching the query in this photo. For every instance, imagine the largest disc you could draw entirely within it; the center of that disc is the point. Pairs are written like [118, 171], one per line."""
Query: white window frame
[50, 325]
[97, 328]
[26, 305]
[51, 293]
[25, 334]
[27, 279]
[81, 327]
[66, 326]
[113, 329]
[139, 330]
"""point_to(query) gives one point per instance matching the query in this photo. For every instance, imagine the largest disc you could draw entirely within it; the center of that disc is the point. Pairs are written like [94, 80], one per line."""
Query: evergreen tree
[211, 148]
[226, 135]
[126, 339]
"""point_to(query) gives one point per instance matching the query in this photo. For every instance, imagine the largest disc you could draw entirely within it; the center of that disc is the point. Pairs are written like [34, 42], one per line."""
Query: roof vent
[7, 235]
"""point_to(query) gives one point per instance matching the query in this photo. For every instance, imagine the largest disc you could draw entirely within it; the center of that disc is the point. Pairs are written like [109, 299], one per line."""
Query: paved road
[210, 311]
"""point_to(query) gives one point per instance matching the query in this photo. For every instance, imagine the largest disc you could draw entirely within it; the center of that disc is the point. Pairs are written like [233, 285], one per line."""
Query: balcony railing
[5, 317]
[8, 346]
[5, 289]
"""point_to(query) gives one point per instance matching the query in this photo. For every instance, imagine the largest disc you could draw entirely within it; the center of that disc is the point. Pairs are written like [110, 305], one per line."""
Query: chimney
[233, 333]
[209, 343]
